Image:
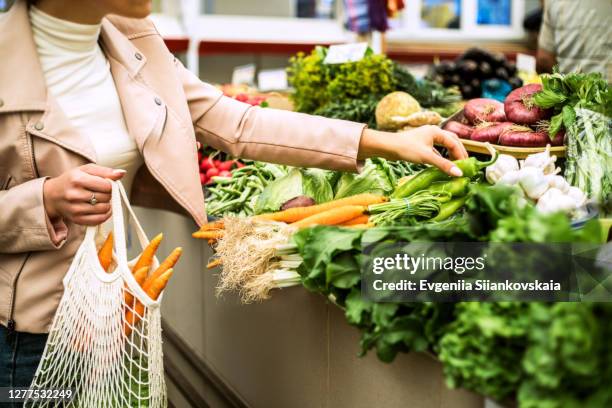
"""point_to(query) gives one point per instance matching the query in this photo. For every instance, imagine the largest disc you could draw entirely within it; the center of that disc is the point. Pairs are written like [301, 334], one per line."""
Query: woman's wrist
[374, 143]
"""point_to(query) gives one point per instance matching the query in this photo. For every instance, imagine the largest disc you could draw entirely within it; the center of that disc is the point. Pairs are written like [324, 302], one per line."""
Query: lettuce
[313, 183]
[374, 178]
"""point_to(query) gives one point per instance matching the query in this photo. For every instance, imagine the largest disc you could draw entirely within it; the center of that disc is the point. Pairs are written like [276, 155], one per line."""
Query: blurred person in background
[576, 36]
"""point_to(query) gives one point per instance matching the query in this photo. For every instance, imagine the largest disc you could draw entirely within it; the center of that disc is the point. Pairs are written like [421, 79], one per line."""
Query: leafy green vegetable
[566, 93]
[317, 84]
[589, 155]
[374, 178]
[553, 355]
[480, 348]
[356, 110]
[350, 91]
[298, 182]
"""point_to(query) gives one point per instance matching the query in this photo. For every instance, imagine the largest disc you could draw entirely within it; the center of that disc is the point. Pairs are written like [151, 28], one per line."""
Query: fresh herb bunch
[351, 90]
[317, 84]
[356, 110]
[565, 93]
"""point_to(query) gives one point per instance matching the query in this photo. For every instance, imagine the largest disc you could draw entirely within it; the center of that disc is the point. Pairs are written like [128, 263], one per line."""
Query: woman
[86, 98]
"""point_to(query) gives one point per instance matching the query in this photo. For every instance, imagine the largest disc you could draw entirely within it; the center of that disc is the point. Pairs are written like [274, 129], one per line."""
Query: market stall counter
[295, 349]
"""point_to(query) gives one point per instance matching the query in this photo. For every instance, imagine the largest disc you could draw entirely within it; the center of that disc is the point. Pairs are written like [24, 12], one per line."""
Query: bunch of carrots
[152, 283]
[349, 212]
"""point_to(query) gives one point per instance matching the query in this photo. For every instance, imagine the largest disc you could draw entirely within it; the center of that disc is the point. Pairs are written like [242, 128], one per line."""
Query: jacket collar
[22, 83]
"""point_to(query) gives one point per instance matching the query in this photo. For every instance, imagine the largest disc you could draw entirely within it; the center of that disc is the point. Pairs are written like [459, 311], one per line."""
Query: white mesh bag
[92, 348]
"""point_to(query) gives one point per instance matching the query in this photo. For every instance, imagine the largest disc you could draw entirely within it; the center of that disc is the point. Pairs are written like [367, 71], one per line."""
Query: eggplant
[485, 69]
[455, 79]
[498, 59]
[511, 68]
[515, 82]
[476, 54]
[468, 68]
[501, 73]
[468, 91]
[445, 67]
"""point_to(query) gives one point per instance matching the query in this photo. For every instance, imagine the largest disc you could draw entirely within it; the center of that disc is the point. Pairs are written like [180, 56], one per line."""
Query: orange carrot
[132, 317]
[212, 226]
[167, 264]
[214, 263]
[147, 255]
[362, 219]
[334, 216]
[211, 234]
[140, 275]
[299, 213]
[105, 255]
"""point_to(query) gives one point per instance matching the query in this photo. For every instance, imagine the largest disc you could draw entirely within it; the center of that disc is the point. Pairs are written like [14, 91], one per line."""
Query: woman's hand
[68, 195]
[415, 146]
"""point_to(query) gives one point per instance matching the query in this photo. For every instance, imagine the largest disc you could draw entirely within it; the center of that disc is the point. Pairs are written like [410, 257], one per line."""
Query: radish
[212, 172]
[216, 163]
[558, 139]
[521, 136]
[461, 130]
[199, 156]
[206, 164]
[203, 178]
[484, 110]
[225, 173]
[226, 165]
[240, 164]
[489, 132]
[520, 108]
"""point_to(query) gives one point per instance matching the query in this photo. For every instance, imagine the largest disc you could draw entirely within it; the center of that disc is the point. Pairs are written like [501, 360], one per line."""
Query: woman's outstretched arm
[304, 140]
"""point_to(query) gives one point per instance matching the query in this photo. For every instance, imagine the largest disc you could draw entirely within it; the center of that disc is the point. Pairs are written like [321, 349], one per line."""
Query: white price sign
[525, 63]
[343, 53]
[244, 74]
[272, 80]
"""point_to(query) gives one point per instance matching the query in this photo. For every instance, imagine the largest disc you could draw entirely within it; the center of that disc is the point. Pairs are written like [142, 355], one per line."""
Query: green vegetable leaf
[555, 125]
[569, 116]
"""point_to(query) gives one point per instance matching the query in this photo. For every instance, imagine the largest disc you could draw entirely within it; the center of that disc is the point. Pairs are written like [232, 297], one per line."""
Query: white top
[79, 78]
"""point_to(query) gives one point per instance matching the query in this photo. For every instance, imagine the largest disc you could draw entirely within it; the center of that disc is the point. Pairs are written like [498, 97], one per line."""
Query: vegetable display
[476, 69]
[239, 193]
[517, 122]
[312, 227]
[351, 91]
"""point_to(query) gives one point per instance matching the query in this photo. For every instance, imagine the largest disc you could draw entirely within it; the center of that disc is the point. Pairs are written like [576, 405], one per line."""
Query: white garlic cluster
[538, 180]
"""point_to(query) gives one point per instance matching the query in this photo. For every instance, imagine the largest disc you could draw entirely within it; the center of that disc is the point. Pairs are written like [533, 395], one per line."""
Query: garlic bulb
[558, 182]
[543, 161]
[511, 178]
[554, 201]
[533, 182]
[577, 195]
[504, 164]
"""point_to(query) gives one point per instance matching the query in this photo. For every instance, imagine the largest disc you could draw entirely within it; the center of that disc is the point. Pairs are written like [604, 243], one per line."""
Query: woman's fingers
[450, 141]
[444, 164]
[82, 195]
[103, 172]
[88, 209]
[91, 220]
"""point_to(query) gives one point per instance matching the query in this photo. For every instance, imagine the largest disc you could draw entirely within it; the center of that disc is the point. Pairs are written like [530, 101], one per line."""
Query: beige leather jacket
[165, 107]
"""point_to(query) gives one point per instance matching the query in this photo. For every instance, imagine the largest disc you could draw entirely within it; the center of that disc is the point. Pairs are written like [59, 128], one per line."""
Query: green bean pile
[237, 195]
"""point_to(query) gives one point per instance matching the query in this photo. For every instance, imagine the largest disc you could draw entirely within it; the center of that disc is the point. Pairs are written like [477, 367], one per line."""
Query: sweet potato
[520, 108]
[484, 110]
[461, 130]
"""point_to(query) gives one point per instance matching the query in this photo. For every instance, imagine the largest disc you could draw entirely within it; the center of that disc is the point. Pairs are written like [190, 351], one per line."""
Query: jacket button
[158, 101]
[39, 126]
[138, 56]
